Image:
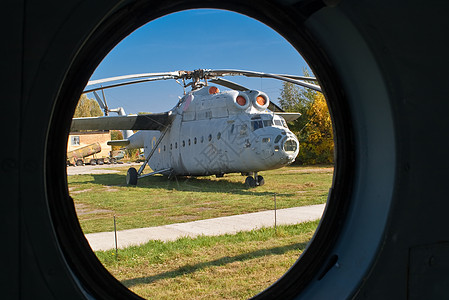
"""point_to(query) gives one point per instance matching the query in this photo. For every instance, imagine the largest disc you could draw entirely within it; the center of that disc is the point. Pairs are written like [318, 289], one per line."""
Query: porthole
[313, 257]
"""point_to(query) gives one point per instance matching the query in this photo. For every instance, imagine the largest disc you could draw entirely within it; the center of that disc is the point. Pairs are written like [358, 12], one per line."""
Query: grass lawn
[157, 201]
[225, 267]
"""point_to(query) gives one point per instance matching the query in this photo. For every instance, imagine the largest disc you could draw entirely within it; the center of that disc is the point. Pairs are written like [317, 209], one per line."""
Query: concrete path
[210, 227]
[98, 169]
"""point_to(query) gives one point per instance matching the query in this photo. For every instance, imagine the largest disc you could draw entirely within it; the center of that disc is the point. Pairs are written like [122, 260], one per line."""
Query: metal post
[275, 215]
[115, 234]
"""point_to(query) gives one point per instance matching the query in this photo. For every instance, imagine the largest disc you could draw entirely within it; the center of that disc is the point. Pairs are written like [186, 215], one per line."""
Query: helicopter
[208, 132]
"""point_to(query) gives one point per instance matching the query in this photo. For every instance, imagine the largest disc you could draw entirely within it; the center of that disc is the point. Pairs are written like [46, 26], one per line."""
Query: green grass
[158, 201]
[224, 267]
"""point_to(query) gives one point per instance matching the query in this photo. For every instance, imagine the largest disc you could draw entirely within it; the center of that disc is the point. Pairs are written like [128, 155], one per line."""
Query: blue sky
[195, 39]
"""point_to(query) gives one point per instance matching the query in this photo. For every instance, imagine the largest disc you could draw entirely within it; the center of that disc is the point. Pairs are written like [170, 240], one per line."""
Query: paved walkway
[210, 227]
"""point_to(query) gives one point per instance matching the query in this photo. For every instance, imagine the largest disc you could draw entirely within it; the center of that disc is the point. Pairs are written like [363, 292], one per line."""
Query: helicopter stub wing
[131, 122]
[288, 116]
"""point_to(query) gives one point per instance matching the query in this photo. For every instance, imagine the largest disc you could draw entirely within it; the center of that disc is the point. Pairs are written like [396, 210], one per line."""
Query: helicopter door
[266, 147]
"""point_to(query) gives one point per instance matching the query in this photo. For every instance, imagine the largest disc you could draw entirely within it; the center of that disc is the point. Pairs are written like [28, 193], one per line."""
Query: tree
[314, 127]
[297, 99]
[87, 108]
[316, 141]
[116, 135]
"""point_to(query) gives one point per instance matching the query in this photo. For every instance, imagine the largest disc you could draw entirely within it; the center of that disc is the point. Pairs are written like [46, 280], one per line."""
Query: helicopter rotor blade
[297, 77]
[228, 84]
[128, 83]
[175, 74]
[214, 73]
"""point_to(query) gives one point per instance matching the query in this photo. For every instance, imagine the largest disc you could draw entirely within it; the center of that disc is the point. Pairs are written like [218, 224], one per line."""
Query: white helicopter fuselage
[217, 133]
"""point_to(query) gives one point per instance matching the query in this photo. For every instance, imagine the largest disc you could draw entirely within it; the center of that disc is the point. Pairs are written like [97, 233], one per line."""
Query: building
[80, 139]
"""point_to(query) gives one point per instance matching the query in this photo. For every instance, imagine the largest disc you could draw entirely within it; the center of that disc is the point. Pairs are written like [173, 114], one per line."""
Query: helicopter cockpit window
[256, 124]
[267, 123]
[277, 122]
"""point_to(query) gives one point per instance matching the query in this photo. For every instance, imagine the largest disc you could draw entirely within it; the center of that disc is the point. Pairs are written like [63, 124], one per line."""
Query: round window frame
[82, 261]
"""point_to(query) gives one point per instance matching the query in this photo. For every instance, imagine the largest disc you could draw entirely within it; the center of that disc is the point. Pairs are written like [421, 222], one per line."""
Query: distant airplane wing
[288, 116]
[132, 122]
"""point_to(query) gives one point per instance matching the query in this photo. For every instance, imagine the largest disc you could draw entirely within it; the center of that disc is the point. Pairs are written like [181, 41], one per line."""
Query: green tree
[87, 108]
[294, 98]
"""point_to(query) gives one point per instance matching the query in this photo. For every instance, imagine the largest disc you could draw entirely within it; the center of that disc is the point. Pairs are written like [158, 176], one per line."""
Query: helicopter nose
[290, 148]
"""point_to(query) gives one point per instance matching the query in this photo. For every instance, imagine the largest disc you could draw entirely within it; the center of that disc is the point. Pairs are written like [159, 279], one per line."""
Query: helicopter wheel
[260, 180]
[250, 182]
[131, 176]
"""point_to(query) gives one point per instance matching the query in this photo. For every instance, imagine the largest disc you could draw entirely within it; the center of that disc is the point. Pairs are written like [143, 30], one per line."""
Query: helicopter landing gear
[250, 182]
[257, 180]
[131, 176]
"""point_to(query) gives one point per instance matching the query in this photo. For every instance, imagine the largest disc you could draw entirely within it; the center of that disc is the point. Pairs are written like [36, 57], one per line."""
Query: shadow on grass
[189, 269]
[185, 184]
